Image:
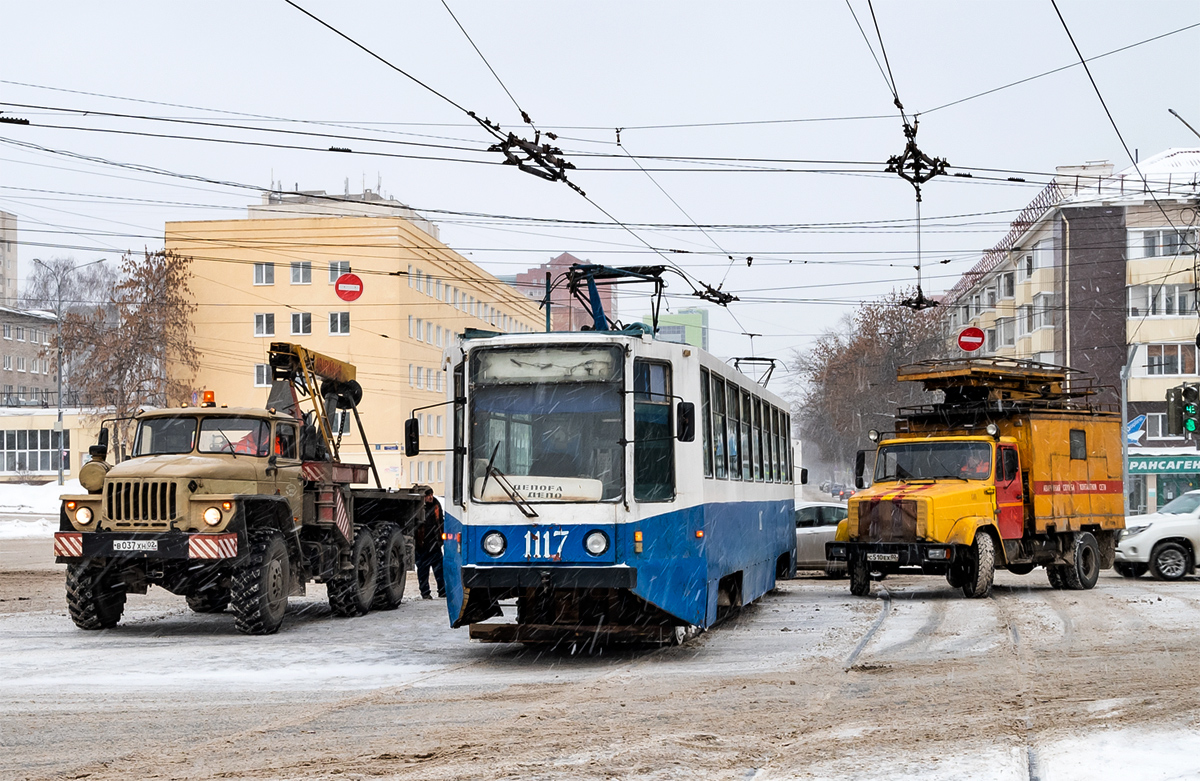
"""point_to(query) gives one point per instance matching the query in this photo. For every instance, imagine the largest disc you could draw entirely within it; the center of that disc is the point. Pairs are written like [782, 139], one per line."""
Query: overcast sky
[582, 70]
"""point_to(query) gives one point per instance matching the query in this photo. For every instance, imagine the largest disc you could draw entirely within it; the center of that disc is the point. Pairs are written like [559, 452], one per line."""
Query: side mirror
[272, 461]
[99, 451]
[803, 476]
[685, 421]
[860, 463]
[412, 437]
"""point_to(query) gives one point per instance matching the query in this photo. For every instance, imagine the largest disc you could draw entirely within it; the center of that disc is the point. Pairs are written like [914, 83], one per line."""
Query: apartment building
[271, 277]
[8, 259]
[566, 312]
[1098, 273]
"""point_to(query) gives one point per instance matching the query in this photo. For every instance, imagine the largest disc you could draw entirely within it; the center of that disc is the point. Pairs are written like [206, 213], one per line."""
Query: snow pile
[31, 511]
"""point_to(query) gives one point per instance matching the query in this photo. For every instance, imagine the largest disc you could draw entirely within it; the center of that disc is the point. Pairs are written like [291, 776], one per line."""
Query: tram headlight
[83, 516]
[494, 543]
[596, 542]
[212, 516]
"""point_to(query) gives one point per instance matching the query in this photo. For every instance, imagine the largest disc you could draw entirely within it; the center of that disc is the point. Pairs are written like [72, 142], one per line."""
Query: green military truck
[239, 507]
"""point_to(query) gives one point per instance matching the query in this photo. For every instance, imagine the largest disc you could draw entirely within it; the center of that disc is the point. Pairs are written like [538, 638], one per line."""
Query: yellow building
[271, 277]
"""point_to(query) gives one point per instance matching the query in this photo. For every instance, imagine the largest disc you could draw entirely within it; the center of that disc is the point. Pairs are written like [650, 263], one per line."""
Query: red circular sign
[971, 339]
[349, 287]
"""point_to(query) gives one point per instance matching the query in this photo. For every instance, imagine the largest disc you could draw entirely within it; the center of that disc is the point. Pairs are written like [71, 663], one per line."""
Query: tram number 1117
[545, 545]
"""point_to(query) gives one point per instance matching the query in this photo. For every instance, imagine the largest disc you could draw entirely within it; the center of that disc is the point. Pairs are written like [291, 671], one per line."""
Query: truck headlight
[212, 516]
[596, 542]
[83, 516]
[494, 543]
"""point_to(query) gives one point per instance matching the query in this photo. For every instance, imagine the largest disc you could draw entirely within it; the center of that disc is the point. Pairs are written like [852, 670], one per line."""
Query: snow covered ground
[31, 511]
[1032, 684]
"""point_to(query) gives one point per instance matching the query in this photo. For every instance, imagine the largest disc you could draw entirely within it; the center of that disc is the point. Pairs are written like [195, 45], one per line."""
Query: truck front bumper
[892, 554]
[71, 547]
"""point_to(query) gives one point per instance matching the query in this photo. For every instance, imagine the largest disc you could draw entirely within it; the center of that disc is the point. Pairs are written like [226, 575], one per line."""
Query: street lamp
[58, 314]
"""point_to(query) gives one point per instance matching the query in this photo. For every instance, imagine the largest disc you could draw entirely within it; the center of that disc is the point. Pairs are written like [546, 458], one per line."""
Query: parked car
[1163, 543]
[816, 524]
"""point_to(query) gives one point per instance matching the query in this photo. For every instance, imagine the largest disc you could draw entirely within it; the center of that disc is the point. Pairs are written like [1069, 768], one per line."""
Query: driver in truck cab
[976, 466]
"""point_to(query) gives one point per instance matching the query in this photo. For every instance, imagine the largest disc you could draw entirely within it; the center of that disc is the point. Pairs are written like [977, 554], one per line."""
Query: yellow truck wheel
[981, 568]
[860, 578]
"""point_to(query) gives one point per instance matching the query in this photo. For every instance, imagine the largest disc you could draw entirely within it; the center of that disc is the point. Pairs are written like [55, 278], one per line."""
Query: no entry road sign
[349, 287]
[971, 339]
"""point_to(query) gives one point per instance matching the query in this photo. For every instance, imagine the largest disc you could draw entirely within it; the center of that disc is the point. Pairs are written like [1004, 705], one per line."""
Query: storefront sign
[1164, 465]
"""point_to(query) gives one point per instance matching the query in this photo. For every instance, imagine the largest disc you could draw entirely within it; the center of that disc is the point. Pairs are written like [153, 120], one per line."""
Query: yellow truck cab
[1014, 468]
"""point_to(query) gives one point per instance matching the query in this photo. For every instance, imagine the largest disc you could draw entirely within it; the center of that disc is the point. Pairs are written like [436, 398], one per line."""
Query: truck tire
[391, 564]
[260, 586]
[1082, 575]
[1054, 574]
[981, 567]
[352, 591]
[1169, 561]
[95, 596]
[860, 578]
[209, 600]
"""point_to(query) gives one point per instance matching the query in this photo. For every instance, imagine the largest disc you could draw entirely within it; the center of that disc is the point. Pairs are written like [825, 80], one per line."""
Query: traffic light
[1175, 411]
[1191, 408]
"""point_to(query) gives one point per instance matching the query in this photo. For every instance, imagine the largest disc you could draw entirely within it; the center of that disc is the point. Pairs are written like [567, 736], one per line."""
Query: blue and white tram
[577, 489]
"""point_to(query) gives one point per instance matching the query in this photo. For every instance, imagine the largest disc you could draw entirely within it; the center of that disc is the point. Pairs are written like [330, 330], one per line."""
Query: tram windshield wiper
[491, 471]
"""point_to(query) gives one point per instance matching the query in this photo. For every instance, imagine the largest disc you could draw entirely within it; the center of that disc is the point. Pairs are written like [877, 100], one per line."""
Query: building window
[1043, 311]
[7, 331]
[1170, 359]
[420, 378]
[1027, 265]
[991, 340]
[1156, 426]
[410, 326]
[420, 330]
[339, 323]
[301, 323]
[428, 285]
[337, 268]
[8, 363]
[33, 450]
[437, 336]
[410, 275]
[441, 382]
[264, 324]
[262, 375]
[20, 363]
[439, 422]
[1007, 329]
[440, 472]
[264, 273]
[20, 334]
[1166, 242]
[1024, 319]
[1160, 300]
[1008, 284]
[429, 333]
[301, 272]
[438, 290]
[989, 298]
[411, 381]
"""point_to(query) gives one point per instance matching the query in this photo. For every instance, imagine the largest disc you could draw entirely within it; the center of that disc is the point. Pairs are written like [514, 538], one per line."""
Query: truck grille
[130, 502]
[887, 521]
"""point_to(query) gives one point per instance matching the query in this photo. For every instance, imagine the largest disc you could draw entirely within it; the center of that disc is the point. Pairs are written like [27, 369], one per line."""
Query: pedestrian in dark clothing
[428, 541]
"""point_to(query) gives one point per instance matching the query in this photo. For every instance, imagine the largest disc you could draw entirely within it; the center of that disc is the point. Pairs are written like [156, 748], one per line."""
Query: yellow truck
[1015, 467]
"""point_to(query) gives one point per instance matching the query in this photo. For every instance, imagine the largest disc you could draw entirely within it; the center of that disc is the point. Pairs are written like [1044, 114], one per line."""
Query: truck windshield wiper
[951, 477]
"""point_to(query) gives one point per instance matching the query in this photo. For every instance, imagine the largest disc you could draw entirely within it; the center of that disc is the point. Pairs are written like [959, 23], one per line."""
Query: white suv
[1165, 542]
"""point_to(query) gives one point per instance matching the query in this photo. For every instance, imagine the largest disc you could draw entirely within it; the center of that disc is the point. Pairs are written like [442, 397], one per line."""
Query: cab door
[1010, 503]
[288, 481]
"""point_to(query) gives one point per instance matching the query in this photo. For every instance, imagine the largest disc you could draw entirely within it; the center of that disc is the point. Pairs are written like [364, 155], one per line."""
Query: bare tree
[122, 362]
[846, 383]
[82, 287]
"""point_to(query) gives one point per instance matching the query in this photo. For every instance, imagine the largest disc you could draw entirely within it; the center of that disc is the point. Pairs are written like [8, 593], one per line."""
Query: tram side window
[785, 437]
[706, 417]
[769, 436]
[718, 424]
[732, 418]
[653, 445]
[781, 435]
[756, 442]
[747, 417]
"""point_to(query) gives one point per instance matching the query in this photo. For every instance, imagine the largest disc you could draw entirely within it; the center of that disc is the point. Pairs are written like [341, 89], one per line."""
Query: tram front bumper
[548, 577]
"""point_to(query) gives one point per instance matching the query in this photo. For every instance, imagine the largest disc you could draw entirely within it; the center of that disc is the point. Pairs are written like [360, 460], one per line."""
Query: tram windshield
[932, 460]
[550, 420]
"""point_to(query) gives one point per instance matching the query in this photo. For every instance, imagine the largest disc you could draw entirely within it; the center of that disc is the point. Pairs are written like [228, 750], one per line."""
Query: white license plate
[135, 545]
[883, 557]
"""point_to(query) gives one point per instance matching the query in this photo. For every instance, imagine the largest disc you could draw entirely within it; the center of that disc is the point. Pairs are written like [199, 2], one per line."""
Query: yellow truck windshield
[932, 460]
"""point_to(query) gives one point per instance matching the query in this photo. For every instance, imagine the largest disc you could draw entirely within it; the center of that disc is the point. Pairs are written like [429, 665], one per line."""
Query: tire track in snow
[883, 614]
[1032, 762]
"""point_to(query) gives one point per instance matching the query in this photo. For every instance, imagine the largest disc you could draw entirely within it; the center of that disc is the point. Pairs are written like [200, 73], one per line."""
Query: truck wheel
[389, 551]
[352, 591]
[209, 600]
[1082, 575]
[1054, 573]
[1169, 561]
[981, 567]
[860, 578]
[95, 596]
[260, 586]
